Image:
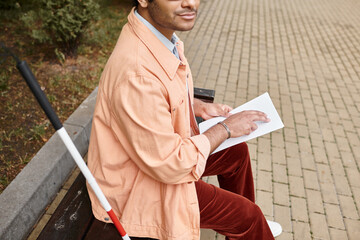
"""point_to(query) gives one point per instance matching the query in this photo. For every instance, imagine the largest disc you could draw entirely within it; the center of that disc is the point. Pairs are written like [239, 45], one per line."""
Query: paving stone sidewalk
[306, 54]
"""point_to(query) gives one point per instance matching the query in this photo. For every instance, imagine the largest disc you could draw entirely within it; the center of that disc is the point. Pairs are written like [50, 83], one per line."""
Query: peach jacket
[141, 150]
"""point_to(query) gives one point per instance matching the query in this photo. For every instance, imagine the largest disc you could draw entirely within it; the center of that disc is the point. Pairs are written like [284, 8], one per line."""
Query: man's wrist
[226, 128]
[216, 136]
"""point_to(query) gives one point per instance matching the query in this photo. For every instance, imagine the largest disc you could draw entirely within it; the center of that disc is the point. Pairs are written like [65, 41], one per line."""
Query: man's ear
[143, 3]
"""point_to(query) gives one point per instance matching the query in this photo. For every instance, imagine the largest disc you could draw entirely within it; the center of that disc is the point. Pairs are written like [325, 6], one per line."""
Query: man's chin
[185, 28]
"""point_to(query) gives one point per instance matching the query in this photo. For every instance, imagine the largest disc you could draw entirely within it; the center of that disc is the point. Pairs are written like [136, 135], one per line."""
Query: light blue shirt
[171, 45]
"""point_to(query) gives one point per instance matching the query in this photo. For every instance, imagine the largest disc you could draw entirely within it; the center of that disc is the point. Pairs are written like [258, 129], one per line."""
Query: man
[145, 149]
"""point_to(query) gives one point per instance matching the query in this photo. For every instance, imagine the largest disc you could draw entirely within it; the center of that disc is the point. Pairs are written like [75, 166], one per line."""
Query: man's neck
[168, 33]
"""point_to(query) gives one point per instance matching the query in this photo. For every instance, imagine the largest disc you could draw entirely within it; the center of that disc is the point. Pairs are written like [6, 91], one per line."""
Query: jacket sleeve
[143, 118]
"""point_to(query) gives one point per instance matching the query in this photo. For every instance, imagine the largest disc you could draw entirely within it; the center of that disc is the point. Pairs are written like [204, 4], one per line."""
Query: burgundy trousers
[231, 210]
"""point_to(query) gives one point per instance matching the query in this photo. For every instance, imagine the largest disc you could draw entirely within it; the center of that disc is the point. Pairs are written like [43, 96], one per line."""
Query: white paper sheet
[262, 103]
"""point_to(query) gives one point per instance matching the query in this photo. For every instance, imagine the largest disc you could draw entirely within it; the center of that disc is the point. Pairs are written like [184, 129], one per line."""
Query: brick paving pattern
[306, 54]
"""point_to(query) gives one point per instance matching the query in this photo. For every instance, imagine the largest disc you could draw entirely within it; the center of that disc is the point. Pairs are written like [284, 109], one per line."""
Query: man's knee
[241, 156]
[241, 148]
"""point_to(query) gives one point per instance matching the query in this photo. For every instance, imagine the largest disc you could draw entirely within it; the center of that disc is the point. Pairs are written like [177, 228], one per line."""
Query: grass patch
[24, 127]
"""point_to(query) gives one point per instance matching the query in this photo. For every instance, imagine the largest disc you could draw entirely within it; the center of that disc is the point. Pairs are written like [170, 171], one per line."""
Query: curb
[24, 201]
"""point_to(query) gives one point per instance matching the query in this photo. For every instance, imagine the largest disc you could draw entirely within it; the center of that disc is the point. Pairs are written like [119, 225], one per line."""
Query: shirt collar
[165, 58]
[168, 44]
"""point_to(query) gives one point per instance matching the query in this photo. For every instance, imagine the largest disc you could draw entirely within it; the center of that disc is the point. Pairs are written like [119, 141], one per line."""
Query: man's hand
[210, 110]
[239, 124]
[243, 123]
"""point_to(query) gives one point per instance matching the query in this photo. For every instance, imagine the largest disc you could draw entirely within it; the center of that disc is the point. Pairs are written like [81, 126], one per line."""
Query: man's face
[171, 15]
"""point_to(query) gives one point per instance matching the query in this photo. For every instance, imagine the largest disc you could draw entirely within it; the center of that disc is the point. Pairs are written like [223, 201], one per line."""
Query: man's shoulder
[126, 45]
[132, 57]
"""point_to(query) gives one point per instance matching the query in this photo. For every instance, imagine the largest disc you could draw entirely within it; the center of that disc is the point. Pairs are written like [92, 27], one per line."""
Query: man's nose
[192, 4]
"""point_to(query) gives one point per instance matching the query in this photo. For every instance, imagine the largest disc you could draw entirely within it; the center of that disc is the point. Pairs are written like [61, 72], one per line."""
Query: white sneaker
[275, 228]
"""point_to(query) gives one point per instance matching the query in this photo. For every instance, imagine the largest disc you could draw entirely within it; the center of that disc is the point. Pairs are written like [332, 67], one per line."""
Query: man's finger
[254, 127]
[257, 116]
[226, 108]
[260, 118]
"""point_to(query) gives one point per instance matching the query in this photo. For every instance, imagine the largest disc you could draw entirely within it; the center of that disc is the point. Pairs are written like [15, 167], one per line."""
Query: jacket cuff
[203, 145]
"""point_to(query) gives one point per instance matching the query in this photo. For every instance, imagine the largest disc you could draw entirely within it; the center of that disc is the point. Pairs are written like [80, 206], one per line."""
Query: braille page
[262, 103]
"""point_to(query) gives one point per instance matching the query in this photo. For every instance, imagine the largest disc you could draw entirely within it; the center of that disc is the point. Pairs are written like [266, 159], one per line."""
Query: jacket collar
[169, 44]
[166, 59]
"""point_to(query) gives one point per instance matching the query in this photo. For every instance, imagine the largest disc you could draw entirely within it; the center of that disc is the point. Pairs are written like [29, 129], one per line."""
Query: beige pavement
[306, 54]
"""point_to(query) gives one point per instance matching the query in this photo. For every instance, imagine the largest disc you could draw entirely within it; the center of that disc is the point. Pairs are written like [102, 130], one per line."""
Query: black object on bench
[73, 218]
